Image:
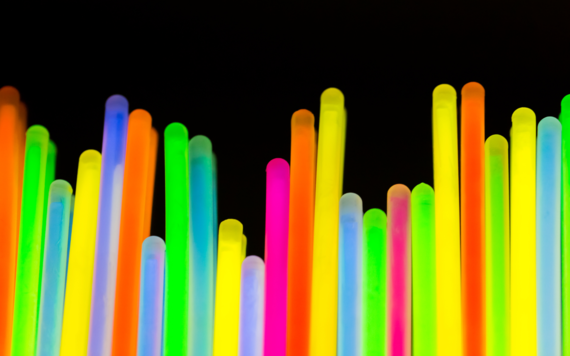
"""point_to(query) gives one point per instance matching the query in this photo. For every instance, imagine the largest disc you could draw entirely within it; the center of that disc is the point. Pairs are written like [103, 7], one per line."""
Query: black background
[236, 73]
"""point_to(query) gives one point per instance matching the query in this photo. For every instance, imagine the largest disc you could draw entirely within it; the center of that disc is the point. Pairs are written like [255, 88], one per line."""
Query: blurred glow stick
[325, 245]
[548, 277]
[26, 297]
[215, 199]
[497, 245]
[131, 236]
[201, 303]
[523, 233]
[243, 247]
[108, 224]
[150, 181]
[400, 272]
[151, 297]
[423, 270]
[565, 244]
[50, 317]
[75, 331]
[178, 236]
[251, 307]
[226, 318]
[349, 338]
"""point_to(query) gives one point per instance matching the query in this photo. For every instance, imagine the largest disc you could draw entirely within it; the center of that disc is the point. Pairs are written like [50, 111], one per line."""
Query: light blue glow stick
[216, 223]
[201, 303]
[107, 245]
[349, 337]
[54, 271]
[252, 302]
[151, 297]
[548, 161]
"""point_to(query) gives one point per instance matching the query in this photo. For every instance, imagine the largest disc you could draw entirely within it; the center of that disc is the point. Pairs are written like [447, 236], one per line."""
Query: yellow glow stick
[243, 247]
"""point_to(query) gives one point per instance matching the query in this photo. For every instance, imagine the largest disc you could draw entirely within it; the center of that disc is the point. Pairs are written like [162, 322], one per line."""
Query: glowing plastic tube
[108, 223]
[26, 295]
[523, 233]
[243, 247]
[215, 200]
[151, 297]
[349, 337]
[565, 205]
[131, 237]
[251, 307]
[497, 245]
[399, 272]
[77, 308]
[374, 271]
[152, 153]
[50, 177]
[201, 303]
[178, 236]
[226, 318]
[447, 236]
[50, 317]
[423, 270]
[548, 159]
[325, 244]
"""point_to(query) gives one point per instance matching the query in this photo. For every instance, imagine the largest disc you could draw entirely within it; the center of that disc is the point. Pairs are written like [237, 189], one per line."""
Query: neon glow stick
[423, 269]
[151, 297]
[251, 315]
[108, 224]
[349, 337]
[243, 247]
[150, 181]
[226, 318]
[548, 277]
[325, 244]
[77, 308]
[300, 249]
[178, 236]
[497, 245]
[26, 296]
[131, 236]
[50, 317]
[215, 199]
[399, 272]
[374, 271]
[201, 303]
[565, 244]
[523, 233]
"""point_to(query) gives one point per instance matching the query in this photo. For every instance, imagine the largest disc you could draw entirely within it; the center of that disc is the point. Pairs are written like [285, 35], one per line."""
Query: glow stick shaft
[215, 202]
[150, 181]
[565, 205]
[75, 331]
[251, 314]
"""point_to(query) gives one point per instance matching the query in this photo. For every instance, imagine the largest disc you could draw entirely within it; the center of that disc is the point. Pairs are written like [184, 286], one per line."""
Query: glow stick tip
[200, 146]
[278, 165]
[154, 243]
[350, 203]
[399, 191]
[233, 228]
[116, 102]
[9, 94]
[60, 185]
[497, 144]
[176, 131]
[38, 131]
[252, 262]
[141, 114]
[303, 117]
[444, 91]
[375, 217]
[473, 90]
[524, 116]
[550, 123]
[565, 104]
[422, 190]
[332, 96]
[90, 157]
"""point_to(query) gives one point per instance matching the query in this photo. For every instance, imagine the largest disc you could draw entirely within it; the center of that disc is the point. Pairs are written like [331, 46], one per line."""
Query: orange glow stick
[131, 236]
[150, 181]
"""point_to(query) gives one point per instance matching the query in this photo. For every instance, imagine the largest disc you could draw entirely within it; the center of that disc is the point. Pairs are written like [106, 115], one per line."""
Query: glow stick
[131, 236]
[108, 224]
[300, 249]
[423, 270]
[150, 181]
[151, 297]
[251, 307]
[349, 337]
[215, 200]
[50, 317]
[178, 236]
[243, 247]
[497, 245]
[400, 273]
[565, 243]
[201, 303]
[26, 296]
[374, 261]
[75, 331]
[523, 233]
[226, 318]
[548, 276]
[325, 244]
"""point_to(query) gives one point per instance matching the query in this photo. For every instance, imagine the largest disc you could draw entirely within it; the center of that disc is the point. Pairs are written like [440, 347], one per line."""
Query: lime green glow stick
[565, 243]
[30, 241]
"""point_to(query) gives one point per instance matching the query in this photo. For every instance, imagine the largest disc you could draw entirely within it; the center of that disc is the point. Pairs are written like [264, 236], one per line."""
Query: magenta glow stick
[399, 272]
[276, 242]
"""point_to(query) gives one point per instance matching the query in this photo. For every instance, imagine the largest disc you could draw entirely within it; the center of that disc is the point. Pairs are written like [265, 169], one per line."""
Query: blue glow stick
[252, 303]
[55, 268]
[151, 297]
[108, 224]
[349, 337]
[548, 171]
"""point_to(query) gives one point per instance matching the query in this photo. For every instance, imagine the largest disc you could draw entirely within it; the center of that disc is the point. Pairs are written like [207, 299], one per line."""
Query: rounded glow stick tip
[232, 230]
[524, 117]
[177, 134]
[444, 92]
[303, 118]
[399, 191]
[473, 90]
[278, 167]
[117, 103]
[9, 95]
[424, 192]
[333, 97]
[90, 159]
[252, 263]
[549, 124]
[497, 144]
[60, 188]
[350, 206]
[565, 103]
[200, 146]
[374, 218]
[37, 133]
[154, 247]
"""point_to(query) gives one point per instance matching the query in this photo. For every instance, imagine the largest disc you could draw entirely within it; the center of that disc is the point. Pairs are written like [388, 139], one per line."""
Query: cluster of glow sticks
[477, 268]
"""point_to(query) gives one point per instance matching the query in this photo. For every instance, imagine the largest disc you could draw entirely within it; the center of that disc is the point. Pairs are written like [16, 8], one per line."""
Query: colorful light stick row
[252, 307]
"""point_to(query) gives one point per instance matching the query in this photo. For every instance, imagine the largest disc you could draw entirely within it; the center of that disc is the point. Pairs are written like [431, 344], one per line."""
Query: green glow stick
[565, 243]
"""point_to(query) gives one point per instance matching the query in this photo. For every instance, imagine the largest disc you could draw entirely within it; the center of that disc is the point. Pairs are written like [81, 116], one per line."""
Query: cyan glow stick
[215, 187]
[349, 336]
[251, 311]
[108, 223]
[548, 274]
[50, 316]
[151, 297]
